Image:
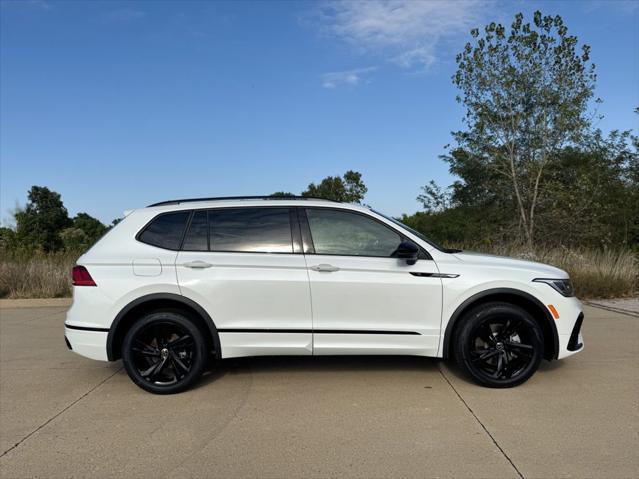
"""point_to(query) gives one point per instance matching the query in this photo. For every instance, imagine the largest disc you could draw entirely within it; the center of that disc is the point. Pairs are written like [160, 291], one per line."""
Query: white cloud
[406, 32]
[348, 77]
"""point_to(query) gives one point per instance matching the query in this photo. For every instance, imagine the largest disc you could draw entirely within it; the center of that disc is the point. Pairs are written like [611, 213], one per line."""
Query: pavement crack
[480, 423]
[625, 312]
[60, 413]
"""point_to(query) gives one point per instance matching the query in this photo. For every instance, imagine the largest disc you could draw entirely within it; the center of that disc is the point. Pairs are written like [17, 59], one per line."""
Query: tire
[499, 345]
[164, 352]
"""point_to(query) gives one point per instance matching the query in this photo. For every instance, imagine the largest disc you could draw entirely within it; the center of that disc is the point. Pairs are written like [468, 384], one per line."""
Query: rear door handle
[325, 268]
[198, 264]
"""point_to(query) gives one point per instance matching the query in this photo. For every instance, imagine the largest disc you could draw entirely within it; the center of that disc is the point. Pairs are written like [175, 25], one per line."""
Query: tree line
[44, 225]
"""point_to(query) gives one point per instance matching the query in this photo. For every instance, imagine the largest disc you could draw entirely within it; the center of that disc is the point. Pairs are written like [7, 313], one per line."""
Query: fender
[496, 292]
[161, 296]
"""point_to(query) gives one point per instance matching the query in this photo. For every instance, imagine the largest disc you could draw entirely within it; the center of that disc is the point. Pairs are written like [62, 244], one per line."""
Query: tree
[7, 239]
[434, 198]
[282, 194]
[526, 92]
[349, 188]
[74, 239]
[38, 225]
[92, 227]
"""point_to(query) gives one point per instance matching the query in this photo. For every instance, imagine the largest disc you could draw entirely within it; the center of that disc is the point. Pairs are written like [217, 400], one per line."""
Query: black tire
[164, 352]
[499, 345]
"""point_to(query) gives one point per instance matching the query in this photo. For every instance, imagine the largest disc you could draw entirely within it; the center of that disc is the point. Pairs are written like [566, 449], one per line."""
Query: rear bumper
[89, 343]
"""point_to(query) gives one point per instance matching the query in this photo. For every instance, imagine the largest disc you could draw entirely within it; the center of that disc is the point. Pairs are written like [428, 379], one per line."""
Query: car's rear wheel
[164, 352]
[499, 345]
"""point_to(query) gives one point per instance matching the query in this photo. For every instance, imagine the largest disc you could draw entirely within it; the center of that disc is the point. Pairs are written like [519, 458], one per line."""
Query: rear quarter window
[165, 230]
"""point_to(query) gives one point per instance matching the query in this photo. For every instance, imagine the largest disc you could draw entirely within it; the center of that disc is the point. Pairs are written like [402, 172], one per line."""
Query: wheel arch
[150, 302]
[508, 295]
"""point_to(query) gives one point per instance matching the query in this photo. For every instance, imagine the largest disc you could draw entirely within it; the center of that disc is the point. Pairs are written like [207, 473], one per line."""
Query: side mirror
[407, 250]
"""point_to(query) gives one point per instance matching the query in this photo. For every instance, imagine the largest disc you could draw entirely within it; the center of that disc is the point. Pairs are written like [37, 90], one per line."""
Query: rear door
[365, 301]
[246, 268]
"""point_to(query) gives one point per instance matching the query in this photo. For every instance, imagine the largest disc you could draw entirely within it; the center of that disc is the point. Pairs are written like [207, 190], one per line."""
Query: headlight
[562, 286]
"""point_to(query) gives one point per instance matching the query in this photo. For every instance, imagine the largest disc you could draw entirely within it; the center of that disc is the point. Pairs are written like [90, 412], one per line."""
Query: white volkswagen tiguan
[179, 284]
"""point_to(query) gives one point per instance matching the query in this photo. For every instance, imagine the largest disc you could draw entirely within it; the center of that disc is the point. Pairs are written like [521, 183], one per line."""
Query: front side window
[346, 233]
[166, 230]
[251, 230]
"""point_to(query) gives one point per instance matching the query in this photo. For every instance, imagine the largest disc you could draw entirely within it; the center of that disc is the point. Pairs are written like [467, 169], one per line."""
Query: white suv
[179, 284]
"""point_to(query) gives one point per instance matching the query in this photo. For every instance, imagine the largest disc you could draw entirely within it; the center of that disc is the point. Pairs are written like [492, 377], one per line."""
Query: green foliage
[92, 227]
[349, 188]
[74, 239]
[434, 198]
[589, 196]
[282, 194]
[44, 226]
[7, 238]
[38, 225]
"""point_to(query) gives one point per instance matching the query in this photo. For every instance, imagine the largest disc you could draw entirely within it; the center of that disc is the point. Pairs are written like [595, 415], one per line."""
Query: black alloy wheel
[164, 353]
[499, 345]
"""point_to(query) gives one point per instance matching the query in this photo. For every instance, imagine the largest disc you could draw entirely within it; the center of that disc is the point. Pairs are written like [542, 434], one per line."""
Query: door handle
[325, 268]
[197, 264]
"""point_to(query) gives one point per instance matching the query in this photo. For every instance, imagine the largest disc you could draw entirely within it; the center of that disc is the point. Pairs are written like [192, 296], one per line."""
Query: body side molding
[434, 275]
[316, 331]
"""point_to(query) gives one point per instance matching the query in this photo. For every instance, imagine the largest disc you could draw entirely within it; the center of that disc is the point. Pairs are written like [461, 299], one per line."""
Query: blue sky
[116, 105]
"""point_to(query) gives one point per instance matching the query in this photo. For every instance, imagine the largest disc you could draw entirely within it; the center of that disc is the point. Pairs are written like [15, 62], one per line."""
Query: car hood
[540, 269]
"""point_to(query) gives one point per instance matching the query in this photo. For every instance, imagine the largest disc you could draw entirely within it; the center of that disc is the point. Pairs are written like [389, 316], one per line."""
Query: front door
[365, 301]
[241, 265]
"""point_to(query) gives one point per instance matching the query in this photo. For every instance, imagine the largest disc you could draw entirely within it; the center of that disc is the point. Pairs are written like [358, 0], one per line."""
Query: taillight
[81, 277]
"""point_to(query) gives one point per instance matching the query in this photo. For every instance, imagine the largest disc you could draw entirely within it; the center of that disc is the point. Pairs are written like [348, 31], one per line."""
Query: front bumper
[576, 341]
[572, 342]
[90, 344]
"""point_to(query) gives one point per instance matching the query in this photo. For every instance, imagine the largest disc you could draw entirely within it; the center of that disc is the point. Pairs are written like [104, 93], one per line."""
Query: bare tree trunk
[520, 203]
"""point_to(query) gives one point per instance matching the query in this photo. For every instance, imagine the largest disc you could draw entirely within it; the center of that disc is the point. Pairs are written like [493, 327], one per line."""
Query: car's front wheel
[499, 345]
[164, 352]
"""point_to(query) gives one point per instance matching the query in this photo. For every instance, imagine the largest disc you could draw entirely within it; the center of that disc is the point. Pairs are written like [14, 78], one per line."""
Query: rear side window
[251, 230]
[166, 230]
[197, 237]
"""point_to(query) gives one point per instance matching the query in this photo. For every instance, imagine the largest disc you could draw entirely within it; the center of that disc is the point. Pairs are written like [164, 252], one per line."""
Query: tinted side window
[345, 233]
[166, 230]
[197, 237]
[256, 230]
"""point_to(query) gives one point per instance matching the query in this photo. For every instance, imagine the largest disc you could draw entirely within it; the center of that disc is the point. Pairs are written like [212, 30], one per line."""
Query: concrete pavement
[65, 416]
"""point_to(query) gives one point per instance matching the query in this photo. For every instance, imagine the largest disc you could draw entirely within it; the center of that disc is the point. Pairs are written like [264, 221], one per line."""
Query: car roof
[235, 201]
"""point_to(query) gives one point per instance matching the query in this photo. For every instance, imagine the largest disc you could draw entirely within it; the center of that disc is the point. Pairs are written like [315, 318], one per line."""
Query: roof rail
[221, 198]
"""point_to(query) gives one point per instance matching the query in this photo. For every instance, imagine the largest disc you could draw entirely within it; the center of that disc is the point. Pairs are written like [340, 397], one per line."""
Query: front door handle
[325, 268]
[198, 264]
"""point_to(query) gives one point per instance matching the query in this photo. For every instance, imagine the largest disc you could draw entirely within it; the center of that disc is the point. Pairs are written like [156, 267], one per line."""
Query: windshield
[415, 232]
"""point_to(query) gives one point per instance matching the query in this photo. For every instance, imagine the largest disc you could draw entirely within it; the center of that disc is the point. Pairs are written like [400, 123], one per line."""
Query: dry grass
[595, 274]
[599, 274]
[43, 276]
